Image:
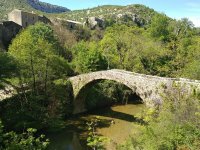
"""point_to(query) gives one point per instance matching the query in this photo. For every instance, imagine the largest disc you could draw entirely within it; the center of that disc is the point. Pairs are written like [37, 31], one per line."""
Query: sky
[173, 8]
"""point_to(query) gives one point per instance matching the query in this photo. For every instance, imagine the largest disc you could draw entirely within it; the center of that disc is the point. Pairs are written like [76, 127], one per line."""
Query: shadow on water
[117, 115]
[74, 136]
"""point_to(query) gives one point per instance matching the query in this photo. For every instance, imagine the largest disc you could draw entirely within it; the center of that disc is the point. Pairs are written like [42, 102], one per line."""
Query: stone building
[69, 24]
[25, 19]
[8, 30]
[1, 36]
[17, 19]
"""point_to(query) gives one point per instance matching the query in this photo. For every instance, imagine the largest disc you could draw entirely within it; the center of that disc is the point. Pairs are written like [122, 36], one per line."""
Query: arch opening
[104, 93]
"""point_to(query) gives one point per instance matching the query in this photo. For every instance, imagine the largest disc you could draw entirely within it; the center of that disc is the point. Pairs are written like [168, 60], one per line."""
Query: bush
[106, 93]
[24, 141]
[176, 127]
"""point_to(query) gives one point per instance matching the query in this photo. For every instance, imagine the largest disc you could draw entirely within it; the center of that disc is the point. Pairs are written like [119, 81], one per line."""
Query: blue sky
[173, 8]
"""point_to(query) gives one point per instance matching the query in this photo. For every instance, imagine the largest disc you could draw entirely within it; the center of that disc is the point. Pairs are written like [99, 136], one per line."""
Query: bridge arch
[80, 82]
[81, 97]
[147, 87]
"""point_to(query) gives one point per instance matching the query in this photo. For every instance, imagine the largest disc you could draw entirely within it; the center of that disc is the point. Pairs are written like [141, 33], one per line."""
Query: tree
[8, 69]
[116, 42]
[192, 70]
[95, 141]
[174, 125]
[36, 51]
[8, 65]
[87, 57]
[131, 49]
[25, 141]
[66, 38]
[159, 27]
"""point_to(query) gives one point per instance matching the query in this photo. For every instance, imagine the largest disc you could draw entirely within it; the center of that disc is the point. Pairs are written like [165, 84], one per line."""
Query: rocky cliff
[46, 7]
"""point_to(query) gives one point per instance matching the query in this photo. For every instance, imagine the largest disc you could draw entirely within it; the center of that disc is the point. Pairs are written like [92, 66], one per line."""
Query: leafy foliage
[28, 5]
[8, 65]
[175, 127]
[111, 12]
[95, 141]
[39, 64]
[106, 93]
[159, 27]
[129, 48]
[87, 58]
[8, 5]
[24, 141]
[36, 51]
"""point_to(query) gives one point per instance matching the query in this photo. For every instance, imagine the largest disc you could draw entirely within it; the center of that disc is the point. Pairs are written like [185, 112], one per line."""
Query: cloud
[195, 20]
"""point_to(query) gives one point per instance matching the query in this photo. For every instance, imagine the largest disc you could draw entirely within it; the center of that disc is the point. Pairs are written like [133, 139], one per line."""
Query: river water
[116, 124]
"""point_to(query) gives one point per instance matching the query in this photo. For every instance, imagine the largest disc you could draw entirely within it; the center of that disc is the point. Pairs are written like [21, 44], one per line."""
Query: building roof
[67, 21]
[75, 22]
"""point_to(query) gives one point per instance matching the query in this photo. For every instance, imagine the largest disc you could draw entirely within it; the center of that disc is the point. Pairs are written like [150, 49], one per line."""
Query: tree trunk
[46, 76]
[33, 75]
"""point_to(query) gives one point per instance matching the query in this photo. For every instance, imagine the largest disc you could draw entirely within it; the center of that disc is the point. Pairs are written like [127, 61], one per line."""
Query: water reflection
[65, 140]
[116, 124]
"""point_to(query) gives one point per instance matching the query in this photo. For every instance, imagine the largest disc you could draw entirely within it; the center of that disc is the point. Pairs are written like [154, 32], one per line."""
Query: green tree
[159, 27]
[115, 45]
[36, 51]
[192, 70]
[8, 66]
[186, 58]
[175, 125]
[24, 141]
[95, 141]
[131, 49]
[88, 57]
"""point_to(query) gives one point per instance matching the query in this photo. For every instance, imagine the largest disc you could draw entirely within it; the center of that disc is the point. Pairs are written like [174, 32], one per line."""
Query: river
[116, 124]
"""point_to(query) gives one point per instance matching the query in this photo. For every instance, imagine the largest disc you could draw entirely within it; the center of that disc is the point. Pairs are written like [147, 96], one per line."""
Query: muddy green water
[116, 124]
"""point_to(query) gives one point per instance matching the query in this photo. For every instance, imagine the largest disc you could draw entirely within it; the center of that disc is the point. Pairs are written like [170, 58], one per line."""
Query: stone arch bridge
[147, 87]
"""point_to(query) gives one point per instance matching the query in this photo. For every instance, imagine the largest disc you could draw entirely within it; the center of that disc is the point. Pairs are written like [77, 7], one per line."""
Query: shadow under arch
[80, 99]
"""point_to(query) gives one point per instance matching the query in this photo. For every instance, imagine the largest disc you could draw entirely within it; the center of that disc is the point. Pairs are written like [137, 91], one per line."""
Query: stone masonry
[25, 19]
[8, 30]
[147, 87]
[17, 19]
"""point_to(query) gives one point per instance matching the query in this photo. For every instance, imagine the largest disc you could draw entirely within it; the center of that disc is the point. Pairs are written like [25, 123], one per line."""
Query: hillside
[142, 12]
[7, 6]
[46, 7]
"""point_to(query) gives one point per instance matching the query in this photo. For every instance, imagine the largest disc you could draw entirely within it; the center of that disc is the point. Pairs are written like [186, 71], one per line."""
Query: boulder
[94, 22]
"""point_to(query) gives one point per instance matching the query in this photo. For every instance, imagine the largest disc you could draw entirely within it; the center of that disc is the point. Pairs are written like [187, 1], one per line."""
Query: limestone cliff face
[45, 7]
